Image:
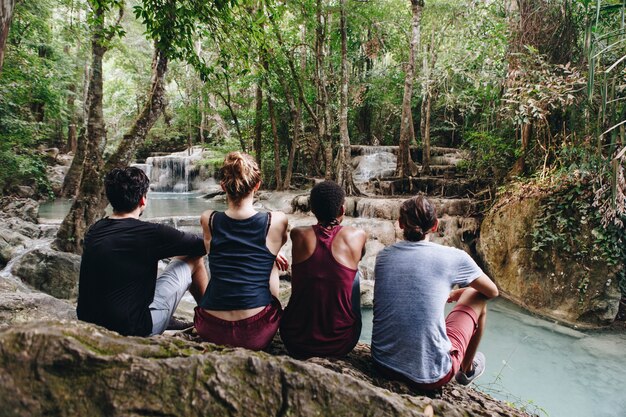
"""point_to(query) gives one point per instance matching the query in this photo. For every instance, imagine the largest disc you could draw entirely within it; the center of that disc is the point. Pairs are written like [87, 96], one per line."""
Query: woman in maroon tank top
[323, 315]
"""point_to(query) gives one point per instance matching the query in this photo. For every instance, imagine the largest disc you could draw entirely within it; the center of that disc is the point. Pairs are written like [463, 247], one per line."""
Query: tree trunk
[425, 130]
[152, 110]
[6, 14]
[364, 115]
[344, 168]
[228, 102]
[277, 174]
[71, 126]
[71, 182]
[294, 115]
[84, 210]
[520, 165]
[202, 122]
[324, 127]
[295, 142]
[258, 124]
[405, 165]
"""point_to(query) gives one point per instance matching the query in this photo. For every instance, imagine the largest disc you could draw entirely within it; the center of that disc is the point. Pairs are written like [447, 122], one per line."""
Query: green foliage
[572, 223]
[537, 88]
[493, 155]
[33, 94]
[23, 169]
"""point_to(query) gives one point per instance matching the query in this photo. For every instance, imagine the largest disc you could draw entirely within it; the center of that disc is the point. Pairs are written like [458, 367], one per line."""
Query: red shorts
[254, 333]
[461, 324]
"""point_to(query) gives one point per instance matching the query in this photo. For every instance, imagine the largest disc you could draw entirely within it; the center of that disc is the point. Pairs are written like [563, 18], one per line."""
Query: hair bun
[418, 217]
[239, 175]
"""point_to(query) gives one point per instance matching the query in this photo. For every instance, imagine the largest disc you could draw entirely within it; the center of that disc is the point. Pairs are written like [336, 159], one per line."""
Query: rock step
[389, 207]
[433, 186]
[416, 151]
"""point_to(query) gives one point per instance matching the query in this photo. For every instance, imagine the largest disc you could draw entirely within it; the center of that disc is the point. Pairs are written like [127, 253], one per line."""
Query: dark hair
[417, 216]
[327, 197]
[125, 187]
[239, 175]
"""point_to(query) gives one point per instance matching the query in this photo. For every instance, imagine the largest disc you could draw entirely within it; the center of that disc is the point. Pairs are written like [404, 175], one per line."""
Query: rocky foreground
[65, 368]
[53, 365]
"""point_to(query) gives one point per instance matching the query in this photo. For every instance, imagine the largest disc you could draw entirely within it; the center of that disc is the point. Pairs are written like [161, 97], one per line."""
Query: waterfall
[374, 162]
[172, 173]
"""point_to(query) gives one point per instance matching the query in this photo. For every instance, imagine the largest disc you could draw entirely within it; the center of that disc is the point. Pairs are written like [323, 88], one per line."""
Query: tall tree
[6, 14]
[344, 168]
[85, 208]
[258, 122]
[405, 164]
[276, 141]
[91, 191]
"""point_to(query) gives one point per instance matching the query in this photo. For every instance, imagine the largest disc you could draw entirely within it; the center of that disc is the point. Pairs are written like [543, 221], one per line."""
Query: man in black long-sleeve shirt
[118, 286]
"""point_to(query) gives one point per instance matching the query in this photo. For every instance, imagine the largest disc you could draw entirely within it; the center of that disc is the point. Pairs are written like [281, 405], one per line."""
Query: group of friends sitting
[412, 340]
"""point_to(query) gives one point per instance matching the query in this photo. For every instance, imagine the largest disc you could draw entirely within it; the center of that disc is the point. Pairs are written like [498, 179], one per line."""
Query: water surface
[159, 205]
[547, 368]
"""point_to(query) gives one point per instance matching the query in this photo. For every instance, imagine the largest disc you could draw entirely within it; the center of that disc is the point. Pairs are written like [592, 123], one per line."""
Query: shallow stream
[548, 369]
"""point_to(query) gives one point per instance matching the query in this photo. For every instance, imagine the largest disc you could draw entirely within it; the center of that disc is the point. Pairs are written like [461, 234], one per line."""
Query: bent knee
[474, 299]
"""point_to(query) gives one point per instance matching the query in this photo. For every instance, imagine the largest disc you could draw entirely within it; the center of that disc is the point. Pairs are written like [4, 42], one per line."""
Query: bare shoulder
[300, 231]
[351, 232]
[204, 218]
[279, 218]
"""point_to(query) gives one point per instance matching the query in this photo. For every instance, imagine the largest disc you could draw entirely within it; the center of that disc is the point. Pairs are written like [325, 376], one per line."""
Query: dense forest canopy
[534, 88]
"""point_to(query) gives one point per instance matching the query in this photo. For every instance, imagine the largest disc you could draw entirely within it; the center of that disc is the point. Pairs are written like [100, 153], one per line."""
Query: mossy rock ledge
[69, 368]
[549, 283]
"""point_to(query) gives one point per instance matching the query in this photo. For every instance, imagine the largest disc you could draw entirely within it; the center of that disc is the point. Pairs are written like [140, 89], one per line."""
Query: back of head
[239, 175]
[125, 187]
[417, 216]
[327, 198]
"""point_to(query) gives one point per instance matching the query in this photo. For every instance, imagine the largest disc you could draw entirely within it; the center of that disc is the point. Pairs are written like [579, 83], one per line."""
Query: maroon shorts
[461, 325]
[254, 333]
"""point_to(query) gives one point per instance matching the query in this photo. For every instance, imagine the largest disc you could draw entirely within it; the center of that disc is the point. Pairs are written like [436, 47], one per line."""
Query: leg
[171, 285]
[478, 303]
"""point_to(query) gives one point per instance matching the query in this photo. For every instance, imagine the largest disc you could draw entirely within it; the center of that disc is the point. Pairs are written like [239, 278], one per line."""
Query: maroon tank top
[319, 320]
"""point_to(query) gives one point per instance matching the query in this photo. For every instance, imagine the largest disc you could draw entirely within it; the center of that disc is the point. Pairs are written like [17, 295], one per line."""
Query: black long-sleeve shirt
[119, 268]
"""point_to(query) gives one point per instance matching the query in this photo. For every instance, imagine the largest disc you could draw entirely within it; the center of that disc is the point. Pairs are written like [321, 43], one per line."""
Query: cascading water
[172, 173]
[374, 162]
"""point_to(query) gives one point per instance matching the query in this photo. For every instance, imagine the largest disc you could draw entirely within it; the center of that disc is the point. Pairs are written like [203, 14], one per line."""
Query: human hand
[455, 295]
[281, 262]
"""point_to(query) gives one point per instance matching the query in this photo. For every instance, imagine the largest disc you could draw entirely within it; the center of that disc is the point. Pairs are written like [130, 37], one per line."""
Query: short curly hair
[125, 187]
[327, 198]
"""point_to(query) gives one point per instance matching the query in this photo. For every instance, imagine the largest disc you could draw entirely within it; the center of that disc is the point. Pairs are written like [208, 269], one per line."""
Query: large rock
[11, 243]
[22, 307]
[50, 271]
[23, 208]
[56, 176]
[71, 368]
[552, 283]
[23, 227]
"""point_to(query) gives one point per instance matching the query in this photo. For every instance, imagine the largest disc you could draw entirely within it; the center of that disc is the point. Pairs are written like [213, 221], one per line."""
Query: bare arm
[274, 282]
[206, 232]
[482, 284]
